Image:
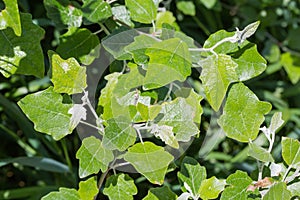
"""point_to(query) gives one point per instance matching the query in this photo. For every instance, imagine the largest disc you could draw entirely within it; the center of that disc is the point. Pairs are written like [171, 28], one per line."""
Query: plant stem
[286, 173]
[104, 29]
[100, 182]
[201, 25]
[93, 126]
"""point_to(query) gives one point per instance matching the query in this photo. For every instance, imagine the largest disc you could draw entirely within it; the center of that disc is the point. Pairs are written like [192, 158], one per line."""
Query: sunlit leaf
[88, 189]
[64, 193]
[143, 11]
[211, 188]
[96, 10]
[259, 153]
[187, 7]
[10, 17]
[291, 151]
[161, 193]
[278, 191]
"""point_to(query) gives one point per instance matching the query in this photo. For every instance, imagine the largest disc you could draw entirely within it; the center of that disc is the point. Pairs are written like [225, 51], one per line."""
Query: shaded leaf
[67, 75]
[22, 55]
[120, 187]
[96, 10]
[192, 174]
[217, 73]
[143, 11]
[278, 191]
[9, 17]
[150, 160]
[291, 151]
[238, 184]
[187, 7]
[93, 157]
[243, 114]
[167, 57]
[161, 193]
[81, 44]
[259, 153]
[291, 66]
[276, 122]
[49, 115]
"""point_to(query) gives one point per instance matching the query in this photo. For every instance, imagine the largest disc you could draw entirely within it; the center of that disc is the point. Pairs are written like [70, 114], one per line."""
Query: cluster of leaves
[145, 114]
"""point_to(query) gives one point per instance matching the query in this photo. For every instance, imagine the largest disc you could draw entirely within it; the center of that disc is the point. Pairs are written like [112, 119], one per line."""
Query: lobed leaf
[10, 17]
[143, 11]
[243, 114]
[93, 157]
[88, 189]
[150, 160]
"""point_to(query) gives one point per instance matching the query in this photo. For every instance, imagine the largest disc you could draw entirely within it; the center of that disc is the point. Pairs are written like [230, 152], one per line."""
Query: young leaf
[22, 55]
[96, 10]
[63, 13]
[150, 160]
[81, 44]
[294, 188]
[166, 134]
[64, 193]
[217, 73]
[48, 113]
[278, 191]
[259, 153]
[78, 112]
[9, 17]
[165, 17]
[276, 122]
[291, 66]
[167, 57]
[291, 151]
[67, 75]
[143, 11]
[119, 134]
[93, 157]
[88, 189]
[192, 174]
[246, 32]
[238, 184]
[121, 14]
[161, 193]
[120, 187]
[211, 188]
[243, 114]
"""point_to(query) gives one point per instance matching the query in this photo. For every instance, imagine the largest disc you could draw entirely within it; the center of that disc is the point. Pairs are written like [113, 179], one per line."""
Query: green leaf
[165, 17]
[211, 188]
[49, 115]
[291, 66]
[93, 157]
[217, 73]
[187, 7]
[64, 13]
[179, 115]
[88, 189]
[150, 160]
[294, 188]
[121, 14]
[81, 44]
[64, 193]
[167, 57]
[250, 62]
[119, 134]
[9, 17]
[143, 11]
[166, 134]
[120, 187]
[209, 4]
[238, 184]
[138, 48]
[291, 151]
[259, 153]
[193, 99]
[132, 79]
[278, 191]
[22, 55]
[276, 122]
[160, 193]
[96, 10]
[243, 114]
[67, 75]
[192, 174]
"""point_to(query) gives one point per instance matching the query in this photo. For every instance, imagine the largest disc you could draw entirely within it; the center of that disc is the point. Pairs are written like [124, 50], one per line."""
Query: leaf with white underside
[259, 153]
[93, 157]
[119, 134]
[166, 134]
[143, 11]
[276, 122]
[150, 160]
[49, 115]
[67, 75]
[120, 187]
[78, 113]
[192, 174]
[238, 184]
[9, 17]
[278, 191]
[217, 73]
[243, 114]
[291, 151]
[169, 57]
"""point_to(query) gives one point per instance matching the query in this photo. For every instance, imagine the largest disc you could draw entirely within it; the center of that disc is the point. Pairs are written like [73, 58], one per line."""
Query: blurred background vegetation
[277, 39]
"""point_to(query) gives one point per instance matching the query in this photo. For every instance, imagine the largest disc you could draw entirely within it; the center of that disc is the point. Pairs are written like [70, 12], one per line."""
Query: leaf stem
[286, 173]
[100, 182]
[104, 28]
[91, 125]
